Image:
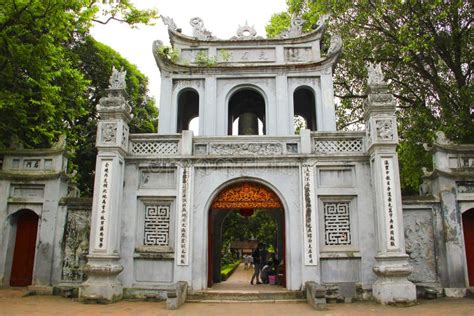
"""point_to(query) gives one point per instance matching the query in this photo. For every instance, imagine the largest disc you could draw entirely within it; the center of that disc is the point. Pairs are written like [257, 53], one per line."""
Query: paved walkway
[13, 304]
[239, 281]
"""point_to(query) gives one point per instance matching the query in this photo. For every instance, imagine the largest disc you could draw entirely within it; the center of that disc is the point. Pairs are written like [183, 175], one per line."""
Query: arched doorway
[188, 109]
[468, 224]
[248, 107]
[25, 248]
[243, 196]
[304, 106]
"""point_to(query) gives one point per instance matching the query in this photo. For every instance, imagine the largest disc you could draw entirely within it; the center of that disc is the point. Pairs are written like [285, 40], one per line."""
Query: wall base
[102, 285]
[392, 285]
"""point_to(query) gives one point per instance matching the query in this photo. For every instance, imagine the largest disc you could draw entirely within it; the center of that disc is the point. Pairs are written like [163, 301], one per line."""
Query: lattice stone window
[154, 147]
[157, 225]
[337, 223]
[338, 146]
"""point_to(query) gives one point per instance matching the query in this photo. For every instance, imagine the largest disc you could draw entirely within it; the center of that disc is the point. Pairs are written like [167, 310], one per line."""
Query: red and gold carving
[246, 195]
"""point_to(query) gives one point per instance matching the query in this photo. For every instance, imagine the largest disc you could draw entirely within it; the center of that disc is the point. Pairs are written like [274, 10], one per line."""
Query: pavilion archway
[243, 196]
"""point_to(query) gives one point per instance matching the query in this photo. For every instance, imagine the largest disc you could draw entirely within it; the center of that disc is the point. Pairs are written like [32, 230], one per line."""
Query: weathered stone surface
[455, 292]
[176, 296]
[419, 241]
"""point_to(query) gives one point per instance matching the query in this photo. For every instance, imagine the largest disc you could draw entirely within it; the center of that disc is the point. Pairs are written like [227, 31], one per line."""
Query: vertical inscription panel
[390, 204]
[309, 217]
[182, 248]
[103, 205]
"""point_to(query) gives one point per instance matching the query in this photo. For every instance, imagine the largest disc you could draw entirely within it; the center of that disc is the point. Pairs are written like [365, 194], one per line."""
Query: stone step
[470, 292]
[246, 296]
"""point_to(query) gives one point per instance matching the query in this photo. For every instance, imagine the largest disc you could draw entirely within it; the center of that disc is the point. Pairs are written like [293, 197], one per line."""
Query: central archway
[243, 196]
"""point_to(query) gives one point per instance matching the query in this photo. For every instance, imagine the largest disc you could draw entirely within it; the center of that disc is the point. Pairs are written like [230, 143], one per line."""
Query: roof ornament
[117, 79]
[375, 73]
[321, 21]
[335, 45]
[296, 28]
[441, 138]
[246, 32]
[169, 22]
[198, 29]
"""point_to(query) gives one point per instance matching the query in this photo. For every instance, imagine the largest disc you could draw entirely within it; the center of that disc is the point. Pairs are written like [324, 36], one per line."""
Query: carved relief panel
[248, 55]
[112, 133]
[298, 54]
[75, 244]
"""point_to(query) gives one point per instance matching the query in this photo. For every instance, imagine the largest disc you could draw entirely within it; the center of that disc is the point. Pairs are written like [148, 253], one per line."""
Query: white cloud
[222, 18]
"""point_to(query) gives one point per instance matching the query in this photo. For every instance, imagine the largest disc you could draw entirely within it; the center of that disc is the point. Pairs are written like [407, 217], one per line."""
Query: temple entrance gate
[25, 248]
[243, 196]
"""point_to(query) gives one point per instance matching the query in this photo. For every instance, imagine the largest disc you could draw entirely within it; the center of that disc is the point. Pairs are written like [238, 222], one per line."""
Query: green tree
[425, 49]
[95, 61]
[260, 226]
[46, 89]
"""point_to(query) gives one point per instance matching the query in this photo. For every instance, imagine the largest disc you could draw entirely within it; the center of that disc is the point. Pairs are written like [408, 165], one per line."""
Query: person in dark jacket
[259, 258]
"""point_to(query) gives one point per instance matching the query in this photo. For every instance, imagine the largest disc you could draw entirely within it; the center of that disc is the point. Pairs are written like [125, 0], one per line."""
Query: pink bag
[272, 279]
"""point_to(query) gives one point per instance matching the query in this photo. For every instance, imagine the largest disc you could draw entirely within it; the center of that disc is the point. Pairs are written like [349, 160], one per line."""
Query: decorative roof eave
[34, 152]
[33, 176]
[463, 174]
[172, 67]
[452, 148]
[177, 37]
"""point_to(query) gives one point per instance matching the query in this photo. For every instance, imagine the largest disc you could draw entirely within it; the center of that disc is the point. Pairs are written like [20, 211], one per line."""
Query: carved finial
[245, 32]
[169, 22]
[15, 142]
[198, 29]
[295, 29]
[427, 147]
[376, 77]
[61, 143]
[425, 171]
[322, 20]
[441, 138]
[335, 45]
[425, 187]
[117, 79]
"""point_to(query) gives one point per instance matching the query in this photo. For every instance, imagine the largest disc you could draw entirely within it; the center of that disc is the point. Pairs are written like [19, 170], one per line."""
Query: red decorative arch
[246, 195]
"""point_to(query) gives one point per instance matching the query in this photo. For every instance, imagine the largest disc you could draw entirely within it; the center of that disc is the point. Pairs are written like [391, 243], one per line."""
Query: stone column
[392, 267]
[103, 267]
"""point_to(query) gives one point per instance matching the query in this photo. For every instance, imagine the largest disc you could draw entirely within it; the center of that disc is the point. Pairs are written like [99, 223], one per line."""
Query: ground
[53, 305]
[12, 302]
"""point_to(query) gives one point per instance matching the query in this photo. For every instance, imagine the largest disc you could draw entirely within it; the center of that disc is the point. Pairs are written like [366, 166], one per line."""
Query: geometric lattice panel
[153, 148]
[337, 223]
[157, 225]
[338, 146]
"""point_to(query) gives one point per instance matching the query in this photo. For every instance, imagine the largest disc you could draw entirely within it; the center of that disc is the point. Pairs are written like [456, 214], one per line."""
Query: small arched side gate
[25, 248]
[243, 195]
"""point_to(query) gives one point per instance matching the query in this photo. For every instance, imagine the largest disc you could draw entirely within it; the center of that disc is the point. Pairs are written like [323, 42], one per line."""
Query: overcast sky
[221, 17]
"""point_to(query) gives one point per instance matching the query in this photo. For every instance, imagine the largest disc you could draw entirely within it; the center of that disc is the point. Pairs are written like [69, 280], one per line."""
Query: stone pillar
[443, 185]
[392, 267]
[103, 267]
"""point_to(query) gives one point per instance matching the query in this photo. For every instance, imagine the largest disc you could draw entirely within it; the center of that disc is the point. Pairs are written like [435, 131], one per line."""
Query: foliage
[95, 60]
[260, 226]
[168, 53]
[45, 89]
[225, 54]
[228, 269]
[203, 60]
[278, 23]
[425, 49]
[299, 123]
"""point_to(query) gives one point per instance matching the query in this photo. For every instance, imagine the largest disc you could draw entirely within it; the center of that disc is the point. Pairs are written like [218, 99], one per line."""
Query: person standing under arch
[259, 257]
